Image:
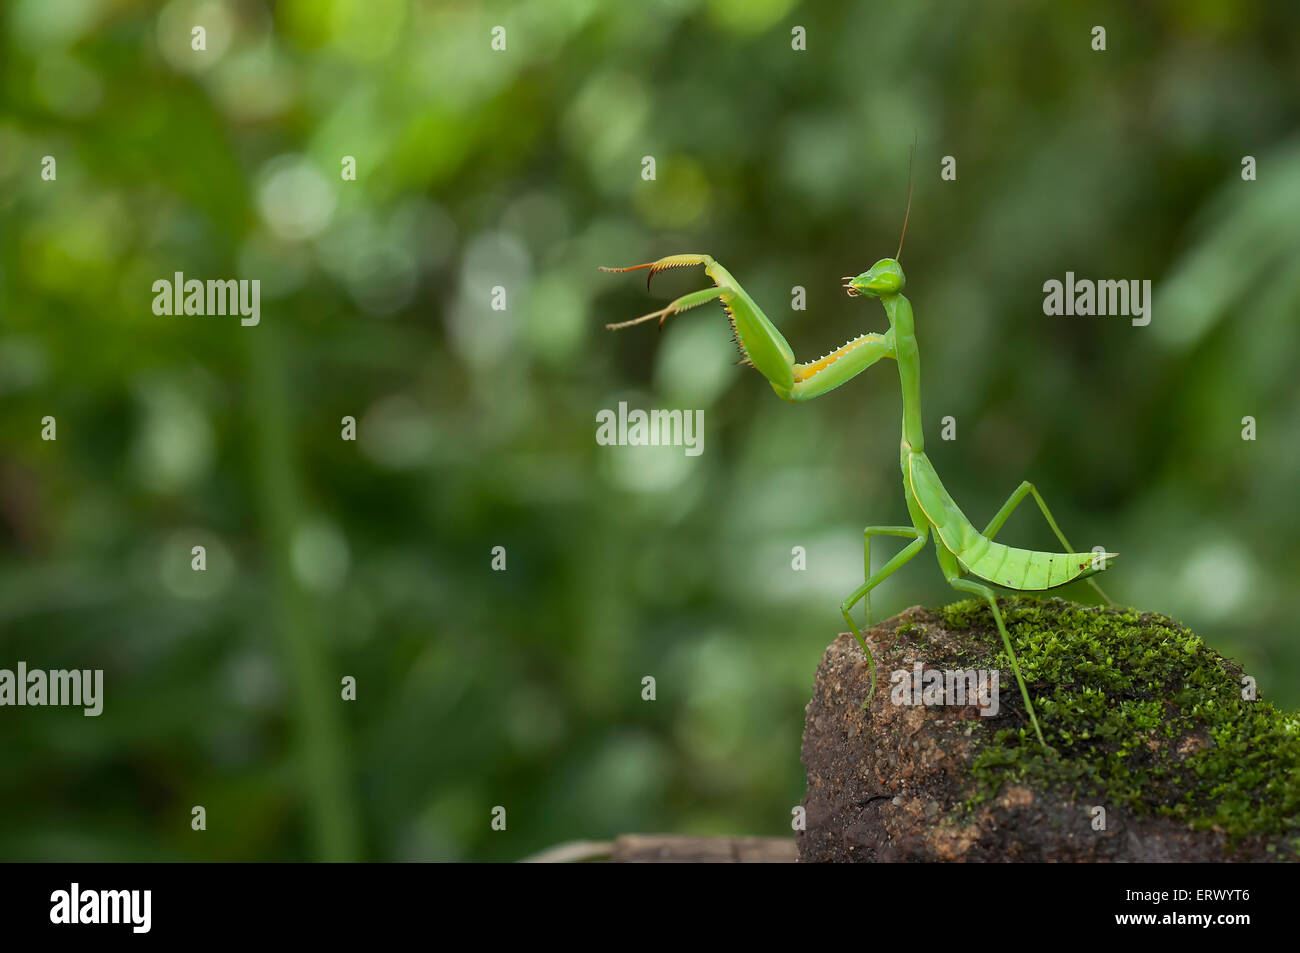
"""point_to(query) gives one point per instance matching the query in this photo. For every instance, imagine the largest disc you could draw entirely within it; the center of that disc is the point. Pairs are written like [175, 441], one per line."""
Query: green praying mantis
[965, 553]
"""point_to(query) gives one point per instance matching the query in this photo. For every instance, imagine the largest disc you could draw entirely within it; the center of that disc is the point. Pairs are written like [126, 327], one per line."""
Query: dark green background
[522, 169]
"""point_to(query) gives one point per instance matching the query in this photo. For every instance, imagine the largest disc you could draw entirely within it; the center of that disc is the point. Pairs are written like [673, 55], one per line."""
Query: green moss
[1141, 715]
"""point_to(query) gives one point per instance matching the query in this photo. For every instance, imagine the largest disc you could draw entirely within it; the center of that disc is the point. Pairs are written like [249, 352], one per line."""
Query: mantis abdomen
[1023, 569]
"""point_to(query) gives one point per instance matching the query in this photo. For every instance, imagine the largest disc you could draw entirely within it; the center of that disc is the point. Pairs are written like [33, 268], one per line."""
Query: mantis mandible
[965, 553]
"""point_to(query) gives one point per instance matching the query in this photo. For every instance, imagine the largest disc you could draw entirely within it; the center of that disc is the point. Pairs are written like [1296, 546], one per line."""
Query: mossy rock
[1144, 721]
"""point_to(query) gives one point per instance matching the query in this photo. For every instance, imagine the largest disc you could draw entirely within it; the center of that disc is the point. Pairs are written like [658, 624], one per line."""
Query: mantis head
[883, 278]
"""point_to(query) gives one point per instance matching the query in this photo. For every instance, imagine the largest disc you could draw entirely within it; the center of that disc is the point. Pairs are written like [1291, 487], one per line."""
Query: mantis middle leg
[887, 570]
[906, 532]
[952, 571]
[1025, 489]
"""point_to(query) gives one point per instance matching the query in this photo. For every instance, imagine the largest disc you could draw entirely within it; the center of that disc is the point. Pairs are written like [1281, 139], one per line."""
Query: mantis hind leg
[1025, 489]
[975, 588]
[887, 570]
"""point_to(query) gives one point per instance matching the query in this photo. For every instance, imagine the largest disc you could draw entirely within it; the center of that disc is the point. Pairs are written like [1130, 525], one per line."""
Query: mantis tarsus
[963, 550]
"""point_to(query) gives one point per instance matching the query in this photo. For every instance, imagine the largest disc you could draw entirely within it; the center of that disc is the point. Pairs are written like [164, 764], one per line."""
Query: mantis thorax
[908, 357]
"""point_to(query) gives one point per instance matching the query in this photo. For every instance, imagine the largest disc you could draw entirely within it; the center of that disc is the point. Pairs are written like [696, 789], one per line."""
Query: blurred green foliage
[521, 169]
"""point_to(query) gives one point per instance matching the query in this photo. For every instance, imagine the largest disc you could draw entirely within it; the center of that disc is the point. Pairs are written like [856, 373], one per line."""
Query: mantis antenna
[911, 161]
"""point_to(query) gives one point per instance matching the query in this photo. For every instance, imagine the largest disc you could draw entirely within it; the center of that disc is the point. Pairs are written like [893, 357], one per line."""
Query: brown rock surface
[892, 784]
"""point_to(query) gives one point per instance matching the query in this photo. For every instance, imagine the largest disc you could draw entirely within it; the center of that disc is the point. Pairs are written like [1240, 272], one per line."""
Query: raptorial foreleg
[761, 345]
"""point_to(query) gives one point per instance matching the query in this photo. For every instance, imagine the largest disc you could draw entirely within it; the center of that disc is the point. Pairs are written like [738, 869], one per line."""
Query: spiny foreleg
[684, 303]
[761, 345]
